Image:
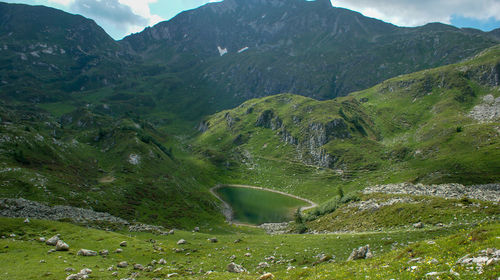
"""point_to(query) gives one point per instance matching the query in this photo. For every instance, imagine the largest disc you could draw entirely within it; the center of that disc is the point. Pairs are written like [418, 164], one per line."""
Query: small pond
[256, 206]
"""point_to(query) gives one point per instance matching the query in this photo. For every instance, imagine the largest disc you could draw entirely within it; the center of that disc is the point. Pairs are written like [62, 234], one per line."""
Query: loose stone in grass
[53, 240]
[263, 265]
[418, 225]
[248, 255]
[86, 253]
[118, 250]
[172, 275]
[266, 276]
[171, 231]
[213, 240]
[122, 264]
[41, 239]
[181, 242]
[162, 261]
[27, 221]
[362, 252]
[61, 246]
[114, 273]
[196, 229]
[123, 244]
[138, 266]
[104, 252]
[69, 269]
[235, 268]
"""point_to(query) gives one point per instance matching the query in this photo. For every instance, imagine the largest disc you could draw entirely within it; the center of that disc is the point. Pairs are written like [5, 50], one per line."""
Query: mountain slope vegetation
[418, 128]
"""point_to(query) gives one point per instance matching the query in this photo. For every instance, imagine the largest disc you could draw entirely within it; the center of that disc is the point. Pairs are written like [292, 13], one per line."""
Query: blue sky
[122, 17]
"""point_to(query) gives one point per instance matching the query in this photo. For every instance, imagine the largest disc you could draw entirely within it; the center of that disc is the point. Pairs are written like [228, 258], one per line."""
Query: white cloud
[61, 2]
[141, 8]
[419, 12]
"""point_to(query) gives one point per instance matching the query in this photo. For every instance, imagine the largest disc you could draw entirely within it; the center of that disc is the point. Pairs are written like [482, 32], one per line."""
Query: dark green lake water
[253, 206]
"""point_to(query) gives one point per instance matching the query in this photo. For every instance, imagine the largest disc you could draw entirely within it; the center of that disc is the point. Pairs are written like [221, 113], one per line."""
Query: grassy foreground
[289, 256]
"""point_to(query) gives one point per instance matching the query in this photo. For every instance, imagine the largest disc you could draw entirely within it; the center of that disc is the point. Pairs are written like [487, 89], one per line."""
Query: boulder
[196, 229]
[235, 268]
[123, 244]
[104, 252]
[266, 276]
[118, 250]
[362, 252]
[263, 265]
[122, 264]
[181, 242]
[27, 221]
[213, 240]
[61, 246]
[162, 262]
[138, 266]
[53, 240]
[86, 253]
[418, 225]
[86, 271]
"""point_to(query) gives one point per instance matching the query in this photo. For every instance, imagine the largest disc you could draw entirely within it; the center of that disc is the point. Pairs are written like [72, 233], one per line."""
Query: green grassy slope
[85, 159]
[412, 128]
[193, 260]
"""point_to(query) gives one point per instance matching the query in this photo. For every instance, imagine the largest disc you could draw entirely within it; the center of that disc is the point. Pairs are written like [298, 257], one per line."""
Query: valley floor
[459, 252]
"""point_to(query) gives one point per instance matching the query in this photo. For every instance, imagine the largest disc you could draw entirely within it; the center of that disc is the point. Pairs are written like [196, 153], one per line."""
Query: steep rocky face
[257, 48]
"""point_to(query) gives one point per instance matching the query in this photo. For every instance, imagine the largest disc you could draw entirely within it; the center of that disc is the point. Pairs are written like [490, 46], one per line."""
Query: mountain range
[219, 55]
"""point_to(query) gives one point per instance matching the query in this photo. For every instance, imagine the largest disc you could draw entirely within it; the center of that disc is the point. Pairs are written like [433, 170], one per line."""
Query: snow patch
[243, 49]
[222, 51]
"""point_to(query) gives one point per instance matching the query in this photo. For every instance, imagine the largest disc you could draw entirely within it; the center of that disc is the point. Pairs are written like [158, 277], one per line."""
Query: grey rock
[266, 276]
[138, 266]
[235, 268]
[263, 265]
[61, 246]
[362, 252]
[213, 240]
[104, 252]
[122, 264]
[181, 242]
[118, 250]
[86, 253]
[123, 244]
[53, 240]
[418, 225]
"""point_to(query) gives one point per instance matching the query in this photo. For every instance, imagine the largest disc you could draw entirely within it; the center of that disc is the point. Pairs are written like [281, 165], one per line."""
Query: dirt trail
[228, 211]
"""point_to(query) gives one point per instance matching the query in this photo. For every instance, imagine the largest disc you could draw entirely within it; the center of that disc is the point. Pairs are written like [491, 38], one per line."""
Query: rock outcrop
[22, 208]
[488, 192]
[362, 252]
